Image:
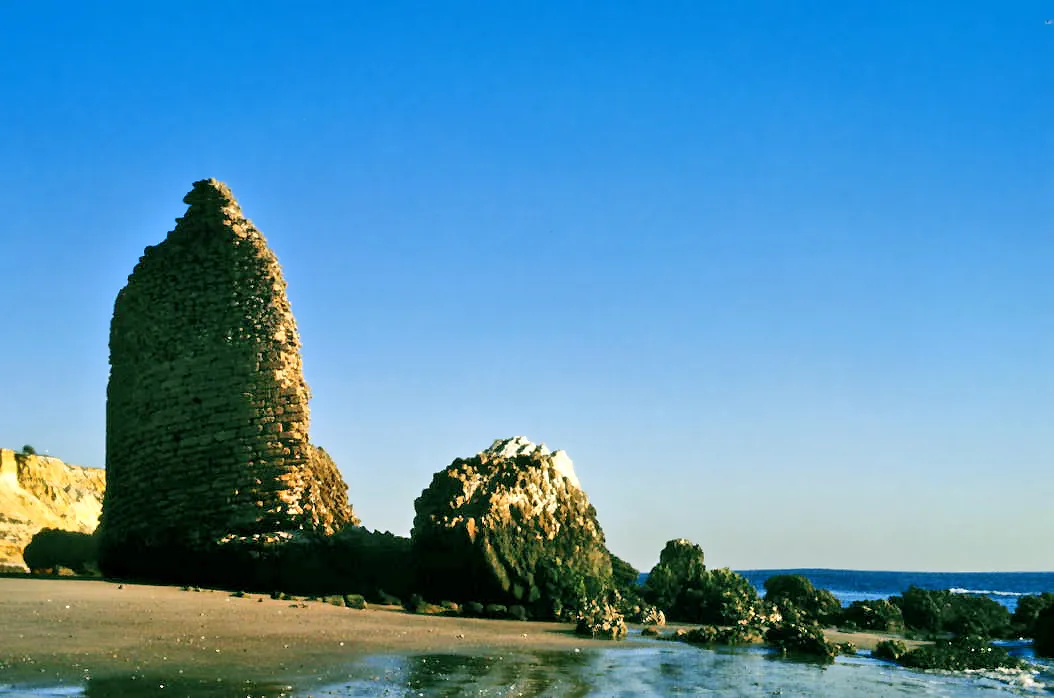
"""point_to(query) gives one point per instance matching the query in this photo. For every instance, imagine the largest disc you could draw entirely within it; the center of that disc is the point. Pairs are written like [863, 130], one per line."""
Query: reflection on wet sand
[651, 669]
[533, 674]
[139, 686]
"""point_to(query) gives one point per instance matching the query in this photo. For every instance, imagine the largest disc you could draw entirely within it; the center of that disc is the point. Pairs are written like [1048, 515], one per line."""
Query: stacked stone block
[207, 407]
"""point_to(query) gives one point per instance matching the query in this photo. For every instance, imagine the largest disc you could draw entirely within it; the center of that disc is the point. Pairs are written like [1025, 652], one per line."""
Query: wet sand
[867, 640]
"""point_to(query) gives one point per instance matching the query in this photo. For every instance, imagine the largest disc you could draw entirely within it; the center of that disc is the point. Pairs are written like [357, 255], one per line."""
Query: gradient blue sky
[778, 276]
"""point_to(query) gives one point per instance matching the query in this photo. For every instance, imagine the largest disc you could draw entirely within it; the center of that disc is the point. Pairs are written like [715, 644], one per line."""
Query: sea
[647, 667]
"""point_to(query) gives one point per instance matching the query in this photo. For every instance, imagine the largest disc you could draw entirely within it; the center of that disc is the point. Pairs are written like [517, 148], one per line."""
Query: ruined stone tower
[207, 408]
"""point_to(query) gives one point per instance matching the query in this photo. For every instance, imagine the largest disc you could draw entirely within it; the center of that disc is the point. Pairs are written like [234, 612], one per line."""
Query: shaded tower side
[207, 408]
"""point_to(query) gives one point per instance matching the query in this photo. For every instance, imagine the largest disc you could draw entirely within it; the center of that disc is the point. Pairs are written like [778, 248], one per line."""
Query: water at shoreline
[668, 668]
[652, 668]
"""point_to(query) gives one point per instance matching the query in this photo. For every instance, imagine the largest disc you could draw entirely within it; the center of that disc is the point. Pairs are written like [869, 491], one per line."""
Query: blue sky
[776, 275]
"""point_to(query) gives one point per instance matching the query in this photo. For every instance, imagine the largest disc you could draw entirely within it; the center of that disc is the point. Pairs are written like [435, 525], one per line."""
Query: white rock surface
[521, 445]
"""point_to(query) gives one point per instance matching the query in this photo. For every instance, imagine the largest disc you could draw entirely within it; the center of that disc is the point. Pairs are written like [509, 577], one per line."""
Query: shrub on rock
[510, 525]
[52, 548]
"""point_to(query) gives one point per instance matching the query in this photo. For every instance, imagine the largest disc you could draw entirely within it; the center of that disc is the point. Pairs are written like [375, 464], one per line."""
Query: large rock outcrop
[39, 492]
[207, 407]
[510, 525]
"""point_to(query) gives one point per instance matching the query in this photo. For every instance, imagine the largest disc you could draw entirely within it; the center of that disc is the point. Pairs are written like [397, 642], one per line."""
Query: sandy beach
[63, 630]
[66, 628]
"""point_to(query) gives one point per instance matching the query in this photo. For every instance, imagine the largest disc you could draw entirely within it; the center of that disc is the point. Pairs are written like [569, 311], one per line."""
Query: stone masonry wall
[207, 407]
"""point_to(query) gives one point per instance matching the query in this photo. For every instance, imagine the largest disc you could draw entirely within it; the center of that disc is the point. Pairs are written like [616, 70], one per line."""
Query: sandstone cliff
[40, 492]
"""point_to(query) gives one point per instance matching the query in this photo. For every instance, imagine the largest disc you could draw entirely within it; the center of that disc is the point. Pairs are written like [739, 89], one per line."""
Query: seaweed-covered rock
[800, 634]
[510, 525]
[1028, 610]
[978, 615]
[794, 590]
[686, 591]
[680, 567]
[719, 635]
[650, 615]
[723, 597]
[1043, 632]
[355, 601]
[940, 610]
[923, 609]
[876, 614]
[601, 620]
[966, 652]
[891, 650]
[703, 635]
